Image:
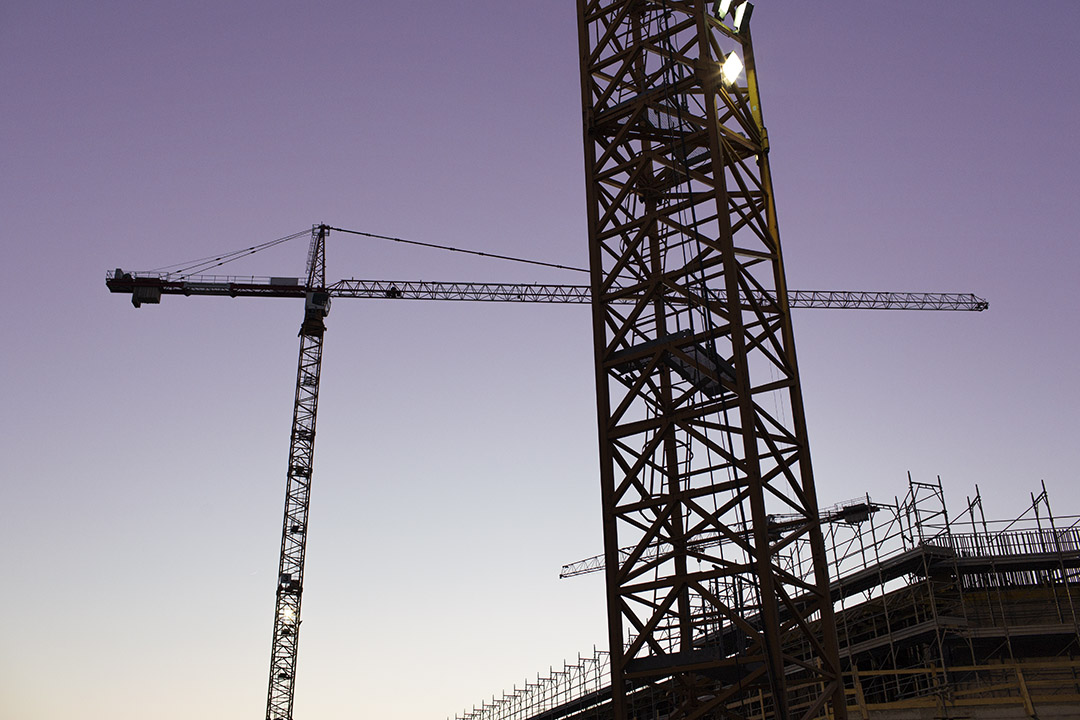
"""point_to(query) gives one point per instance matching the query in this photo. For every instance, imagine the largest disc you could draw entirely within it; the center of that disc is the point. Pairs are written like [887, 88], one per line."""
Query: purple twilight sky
[921, 147]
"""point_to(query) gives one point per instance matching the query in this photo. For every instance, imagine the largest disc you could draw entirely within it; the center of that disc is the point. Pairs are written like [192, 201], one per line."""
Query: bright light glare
[742, 14]
[720, 9]
[288, 614]
[731, 68]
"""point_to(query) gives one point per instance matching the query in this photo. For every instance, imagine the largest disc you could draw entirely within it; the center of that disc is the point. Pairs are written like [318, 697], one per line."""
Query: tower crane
[147, 288]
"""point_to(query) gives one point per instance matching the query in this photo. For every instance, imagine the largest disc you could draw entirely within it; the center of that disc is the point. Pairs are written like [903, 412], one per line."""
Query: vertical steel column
[279, 701]
[700, 415]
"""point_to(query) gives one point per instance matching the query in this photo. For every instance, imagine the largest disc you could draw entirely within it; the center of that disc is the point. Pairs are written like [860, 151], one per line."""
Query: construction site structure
[938, 615]
[147, 288]
[702, 435]
[699, 405]
[694, 355]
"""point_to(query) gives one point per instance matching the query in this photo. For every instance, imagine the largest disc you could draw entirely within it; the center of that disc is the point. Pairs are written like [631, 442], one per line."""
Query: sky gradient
[455, 469]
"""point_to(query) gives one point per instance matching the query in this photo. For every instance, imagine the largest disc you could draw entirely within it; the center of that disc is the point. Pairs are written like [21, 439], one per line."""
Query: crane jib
[147, 288]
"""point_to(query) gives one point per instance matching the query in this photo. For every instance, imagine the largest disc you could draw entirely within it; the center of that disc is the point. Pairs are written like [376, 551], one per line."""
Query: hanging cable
[202, 264]
[459, 250]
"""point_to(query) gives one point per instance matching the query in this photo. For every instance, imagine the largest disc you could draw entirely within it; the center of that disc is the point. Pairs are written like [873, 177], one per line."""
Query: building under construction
[939, 615]
[730, 592]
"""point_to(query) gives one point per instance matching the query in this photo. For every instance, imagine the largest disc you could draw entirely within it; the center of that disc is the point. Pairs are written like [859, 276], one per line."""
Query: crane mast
[699, 408]
[290, 586]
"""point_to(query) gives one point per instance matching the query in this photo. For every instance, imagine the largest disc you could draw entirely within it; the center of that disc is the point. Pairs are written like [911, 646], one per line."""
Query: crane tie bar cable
[201, 265]
[460, 250]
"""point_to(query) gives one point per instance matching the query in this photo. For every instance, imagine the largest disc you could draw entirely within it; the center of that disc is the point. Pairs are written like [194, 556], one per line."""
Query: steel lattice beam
[279, 701]
[149, 287]
[699, 406]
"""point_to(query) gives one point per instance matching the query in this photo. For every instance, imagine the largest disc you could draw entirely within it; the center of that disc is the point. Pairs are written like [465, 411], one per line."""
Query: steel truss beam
[148, 288]
[581, 294]
[700, 412]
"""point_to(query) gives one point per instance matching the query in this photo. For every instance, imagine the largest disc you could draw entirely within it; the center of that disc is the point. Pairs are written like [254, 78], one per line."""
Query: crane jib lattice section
[265, 286]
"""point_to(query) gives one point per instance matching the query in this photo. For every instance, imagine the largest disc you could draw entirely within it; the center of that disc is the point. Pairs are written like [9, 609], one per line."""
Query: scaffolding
[937, 616]
[581, 687]
[942, 614]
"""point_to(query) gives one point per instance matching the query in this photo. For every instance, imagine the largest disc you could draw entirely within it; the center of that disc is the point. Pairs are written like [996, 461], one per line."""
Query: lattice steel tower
[280, 692]
[702, 432]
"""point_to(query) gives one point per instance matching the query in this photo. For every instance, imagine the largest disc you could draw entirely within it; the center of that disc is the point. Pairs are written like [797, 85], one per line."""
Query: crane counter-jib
[147, 288]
